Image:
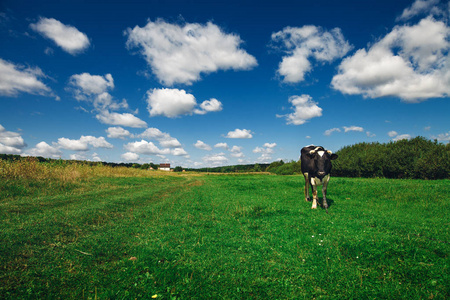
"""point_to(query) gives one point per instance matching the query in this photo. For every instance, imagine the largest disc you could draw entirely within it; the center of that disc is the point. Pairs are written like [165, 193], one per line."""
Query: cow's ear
[333, 156]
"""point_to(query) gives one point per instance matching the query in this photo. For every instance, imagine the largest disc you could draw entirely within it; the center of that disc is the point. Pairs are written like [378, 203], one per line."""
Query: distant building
[164, 167]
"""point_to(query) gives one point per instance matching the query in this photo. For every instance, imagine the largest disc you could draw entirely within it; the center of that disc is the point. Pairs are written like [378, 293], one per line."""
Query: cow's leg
[306, 186]
[324, 192]
[314, 192]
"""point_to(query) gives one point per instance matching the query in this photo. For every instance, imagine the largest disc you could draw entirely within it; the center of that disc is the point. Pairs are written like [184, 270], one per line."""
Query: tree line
[417, 158]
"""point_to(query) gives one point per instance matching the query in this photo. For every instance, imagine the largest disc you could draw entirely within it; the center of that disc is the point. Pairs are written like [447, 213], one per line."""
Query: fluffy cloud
[148, 148]
[411, 63]
[144, 147]
[304, 109]
[305, 43]
[207, 106]
[130, 157]
[164, 139]
[239, 134]
[10, 142]
[221, 145]
[118, 133]
[172, 103]
[124, 119]
[67, 37]
[266, 152]
[15, 79]
[45, 150]
[95, 90]
[180, 53]
[402, 137]
[392, 133]
[88, 85]
[83, 143]
[236, 151]
[215, 159]
[201, 145]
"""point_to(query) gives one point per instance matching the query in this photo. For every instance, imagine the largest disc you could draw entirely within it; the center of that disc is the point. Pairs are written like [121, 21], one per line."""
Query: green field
[223, 237]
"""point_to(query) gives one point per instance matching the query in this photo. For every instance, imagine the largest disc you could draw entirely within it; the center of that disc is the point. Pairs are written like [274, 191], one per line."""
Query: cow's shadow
[330, 202]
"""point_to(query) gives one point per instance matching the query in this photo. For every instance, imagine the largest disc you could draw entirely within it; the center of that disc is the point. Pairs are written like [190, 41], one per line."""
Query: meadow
[77, 232]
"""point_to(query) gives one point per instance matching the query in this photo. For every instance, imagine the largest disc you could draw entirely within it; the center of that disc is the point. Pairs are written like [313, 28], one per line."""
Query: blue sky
[208, 83]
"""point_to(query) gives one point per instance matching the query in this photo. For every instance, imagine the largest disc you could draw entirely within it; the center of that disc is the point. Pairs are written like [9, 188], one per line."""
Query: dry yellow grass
[66, 171]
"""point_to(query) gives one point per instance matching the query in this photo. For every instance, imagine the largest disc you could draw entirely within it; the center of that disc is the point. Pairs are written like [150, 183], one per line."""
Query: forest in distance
[417, 158]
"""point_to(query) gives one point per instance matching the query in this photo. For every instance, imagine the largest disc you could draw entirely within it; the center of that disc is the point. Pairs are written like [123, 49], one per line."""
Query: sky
[212, 83]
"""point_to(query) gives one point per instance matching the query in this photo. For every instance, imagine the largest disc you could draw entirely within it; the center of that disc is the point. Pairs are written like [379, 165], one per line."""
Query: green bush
[418, 158]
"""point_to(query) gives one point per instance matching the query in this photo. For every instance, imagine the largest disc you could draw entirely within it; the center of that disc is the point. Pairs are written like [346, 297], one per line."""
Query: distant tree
[178, 169]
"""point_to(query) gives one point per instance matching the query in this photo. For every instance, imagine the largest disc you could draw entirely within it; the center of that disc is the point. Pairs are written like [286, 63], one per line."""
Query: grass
[103, 236]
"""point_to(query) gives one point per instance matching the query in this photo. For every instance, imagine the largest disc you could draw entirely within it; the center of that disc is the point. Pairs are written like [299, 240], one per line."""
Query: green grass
[224, 237]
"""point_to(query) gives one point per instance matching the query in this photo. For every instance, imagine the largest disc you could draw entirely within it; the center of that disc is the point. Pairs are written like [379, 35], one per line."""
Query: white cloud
[330, 131]
[88, 84]
[130, 157]
[15, 79]
[353, 128]
[67, 37]
[304, 109]
[240, 134]
[180, 53]
[221, 145]
[236, 151]
[201, 145]
[179, 152]
[305, 43]
[411, 63]
[118, 133]
[402, 137]
[266, 152]
[270, 145]
[83, 143]
[392, 133]
[144, 147]
[45, 150]
[11, 139]
[124, 119]
[164, 139]
[172, 103]
[420, 7]
[207, 106]
[443, 137]
[215, 159]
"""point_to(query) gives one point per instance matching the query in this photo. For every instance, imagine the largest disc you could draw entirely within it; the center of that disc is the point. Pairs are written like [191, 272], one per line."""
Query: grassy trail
[226, 237]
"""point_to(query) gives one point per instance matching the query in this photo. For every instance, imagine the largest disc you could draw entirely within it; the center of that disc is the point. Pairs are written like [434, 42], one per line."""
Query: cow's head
[322, 160]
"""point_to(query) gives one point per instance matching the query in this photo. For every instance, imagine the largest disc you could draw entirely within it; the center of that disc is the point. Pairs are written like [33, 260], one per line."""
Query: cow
[316, 167]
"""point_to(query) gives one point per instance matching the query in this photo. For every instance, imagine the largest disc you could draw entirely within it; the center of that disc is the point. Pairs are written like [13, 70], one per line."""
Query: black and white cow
[316, 167]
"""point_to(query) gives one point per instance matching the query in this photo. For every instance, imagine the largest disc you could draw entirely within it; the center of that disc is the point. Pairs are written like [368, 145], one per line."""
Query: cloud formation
[83, 143]
[95, 89]
[15, 79]
[67, 37]
[239, 134]
[11, 142]
[173, 103]
[411, 63]
[304, 44]
[180, 53]
[304, 109]
[202, 145]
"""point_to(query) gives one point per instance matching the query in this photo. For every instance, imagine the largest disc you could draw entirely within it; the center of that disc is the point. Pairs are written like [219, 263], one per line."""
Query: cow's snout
[321, 173]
